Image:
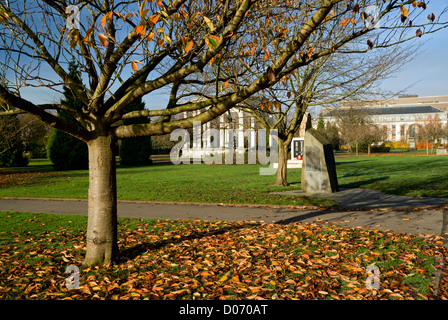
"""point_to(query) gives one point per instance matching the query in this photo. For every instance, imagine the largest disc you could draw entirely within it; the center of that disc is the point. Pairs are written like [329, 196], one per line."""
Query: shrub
[135, 151]
[11, 146]
[13, 157]
[397, 145]
[379, 149]
[65, 151]
[36, 150]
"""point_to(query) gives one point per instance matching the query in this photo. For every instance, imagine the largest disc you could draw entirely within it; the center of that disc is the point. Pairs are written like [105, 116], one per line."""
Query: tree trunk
[368, 149]
[357, 153]
[282, 177]
[427, 147]
[102, 245]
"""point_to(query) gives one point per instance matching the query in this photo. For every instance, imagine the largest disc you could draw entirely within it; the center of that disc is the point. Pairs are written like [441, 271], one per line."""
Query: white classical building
[226, 132]
[397, 116]
[235, 131]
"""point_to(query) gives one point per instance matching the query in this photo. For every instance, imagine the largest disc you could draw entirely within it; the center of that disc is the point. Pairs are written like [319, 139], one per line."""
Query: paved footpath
[357, 207]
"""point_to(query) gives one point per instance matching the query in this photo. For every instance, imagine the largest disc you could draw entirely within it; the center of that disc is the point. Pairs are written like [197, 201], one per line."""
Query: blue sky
[427, 73]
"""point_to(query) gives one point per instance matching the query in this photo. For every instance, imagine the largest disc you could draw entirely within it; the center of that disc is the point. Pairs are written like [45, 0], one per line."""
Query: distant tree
[136, 150]
[65, 151]
[331, 132]
[321, 123]
[372, 134]
[34, 134]
[11, 146]
[352, 124]
[430, 130]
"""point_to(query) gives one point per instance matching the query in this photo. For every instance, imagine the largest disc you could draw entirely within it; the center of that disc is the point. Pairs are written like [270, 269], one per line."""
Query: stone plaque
[319, 167]
[312, 155]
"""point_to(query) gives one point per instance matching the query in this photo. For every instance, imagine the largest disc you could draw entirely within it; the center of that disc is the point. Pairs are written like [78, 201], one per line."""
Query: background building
[396, 116]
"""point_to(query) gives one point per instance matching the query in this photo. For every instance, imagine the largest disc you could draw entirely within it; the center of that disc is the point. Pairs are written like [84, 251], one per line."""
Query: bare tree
[32, 130]
[429, 130]
[132, 49]
[321, 83]
[353, 124]
[372, 134]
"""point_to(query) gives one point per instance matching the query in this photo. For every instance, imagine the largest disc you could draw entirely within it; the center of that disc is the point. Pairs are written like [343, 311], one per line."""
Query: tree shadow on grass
[302, 217]
[134, 251]
[360, 183]
[434, 187]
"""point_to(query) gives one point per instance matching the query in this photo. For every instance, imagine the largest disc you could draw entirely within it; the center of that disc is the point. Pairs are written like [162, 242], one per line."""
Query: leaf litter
[193, 259]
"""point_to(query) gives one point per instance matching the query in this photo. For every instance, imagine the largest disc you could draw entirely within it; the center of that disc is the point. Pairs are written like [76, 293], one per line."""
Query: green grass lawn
[160, 182]
[186, 259]
[425, 176]
[395, 174]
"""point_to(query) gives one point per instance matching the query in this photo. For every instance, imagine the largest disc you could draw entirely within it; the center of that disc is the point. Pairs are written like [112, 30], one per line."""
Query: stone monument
[319, 166]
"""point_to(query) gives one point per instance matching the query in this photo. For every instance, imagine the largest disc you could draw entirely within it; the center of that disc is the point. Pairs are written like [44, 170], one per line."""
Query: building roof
[390, 110]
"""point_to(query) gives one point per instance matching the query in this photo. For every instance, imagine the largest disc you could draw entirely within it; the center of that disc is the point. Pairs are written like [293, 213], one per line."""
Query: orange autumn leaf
[189, 46]
[88, 35]
[150, 36]
[122, 17]
[404, 11]
[140, 30]
[105, 17]
[253, 50]
[267, 52]
[344, 22]
[103, 21]
[130, 14]
[154, 18]
[134, 66]
[103, 40]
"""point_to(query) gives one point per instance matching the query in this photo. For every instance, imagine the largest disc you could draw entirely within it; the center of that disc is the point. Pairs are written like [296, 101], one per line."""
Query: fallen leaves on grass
[14, 177]
[182, 259]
